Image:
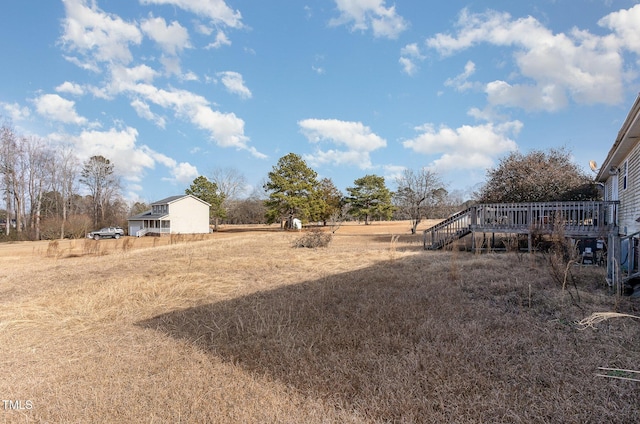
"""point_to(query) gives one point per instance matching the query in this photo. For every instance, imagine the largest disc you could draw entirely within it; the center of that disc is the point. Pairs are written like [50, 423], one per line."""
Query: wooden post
[613, 262]
[529, 241]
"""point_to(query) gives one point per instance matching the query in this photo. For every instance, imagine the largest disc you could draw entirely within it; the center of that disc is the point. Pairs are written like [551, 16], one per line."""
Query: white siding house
[184, 214]
[620, 173]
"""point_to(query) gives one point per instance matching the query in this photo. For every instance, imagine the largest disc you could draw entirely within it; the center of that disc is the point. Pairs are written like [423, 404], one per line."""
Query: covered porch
[149, 223]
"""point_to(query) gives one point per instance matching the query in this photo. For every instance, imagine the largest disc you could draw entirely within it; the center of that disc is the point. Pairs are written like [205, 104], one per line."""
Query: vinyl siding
[189, 216]
[629, 210]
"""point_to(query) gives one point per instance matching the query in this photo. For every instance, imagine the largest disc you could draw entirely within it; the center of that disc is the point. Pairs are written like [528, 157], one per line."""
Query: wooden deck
[573, 219]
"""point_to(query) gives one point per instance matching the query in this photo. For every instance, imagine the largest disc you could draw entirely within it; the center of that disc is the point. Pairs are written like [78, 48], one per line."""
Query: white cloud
[461, 81]
[70, 88]
[184, 172]
[123, 79]
[467, 147]
[393, 172]
[409, 55]
[96, 40]
[234, 83]
[130, 160]
[625, 24]
[144, 111]
[550, 97]
[171, 65]
[358, 139]
[226, 129]
[202, 28]
[128, 76]
[189, 76]
[216, 10]
[56, 108]
[14, 111]
[370, 14]
[221, 40]
[99, 36]
[172, 38]
[119, 146]
[553, 67]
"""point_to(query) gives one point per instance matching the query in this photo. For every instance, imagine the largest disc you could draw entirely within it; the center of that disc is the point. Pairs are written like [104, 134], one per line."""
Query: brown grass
[240, 327]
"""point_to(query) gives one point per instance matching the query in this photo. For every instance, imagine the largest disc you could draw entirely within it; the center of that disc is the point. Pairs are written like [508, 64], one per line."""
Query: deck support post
[529, 241]
[473, 241]
[614, 277]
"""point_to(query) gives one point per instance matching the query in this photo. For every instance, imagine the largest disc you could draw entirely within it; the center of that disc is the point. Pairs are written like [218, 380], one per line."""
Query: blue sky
[172, 89]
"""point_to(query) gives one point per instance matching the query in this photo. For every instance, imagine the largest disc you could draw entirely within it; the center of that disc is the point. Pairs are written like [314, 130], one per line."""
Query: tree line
[41, 185]
[293, 190]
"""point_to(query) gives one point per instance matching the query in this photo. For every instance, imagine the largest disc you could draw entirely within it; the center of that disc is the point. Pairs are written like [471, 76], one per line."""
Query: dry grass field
[239, 327]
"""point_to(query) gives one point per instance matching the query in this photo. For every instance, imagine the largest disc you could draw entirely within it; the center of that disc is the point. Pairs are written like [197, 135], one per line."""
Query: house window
[157, 209]
[624, 174]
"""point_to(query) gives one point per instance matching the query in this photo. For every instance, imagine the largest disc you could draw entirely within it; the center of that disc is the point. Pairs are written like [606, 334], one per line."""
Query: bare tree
[67, 169]
[6, 143]
[98, 176]
[9, 169]
[417, 192]
[37, 156]
[231, 182]
[250, 210]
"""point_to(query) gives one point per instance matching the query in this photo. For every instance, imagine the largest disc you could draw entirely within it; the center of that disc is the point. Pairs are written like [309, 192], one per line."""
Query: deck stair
[577, 219]
[451, 229]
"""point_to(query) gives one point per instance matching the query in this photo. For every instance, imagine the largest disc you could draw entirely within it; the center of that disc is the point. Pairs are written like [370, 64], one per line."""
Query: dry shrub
[127, 244]
[90, 247]
[393, 246]
[53, 249]
[313, 239]
[562, 257]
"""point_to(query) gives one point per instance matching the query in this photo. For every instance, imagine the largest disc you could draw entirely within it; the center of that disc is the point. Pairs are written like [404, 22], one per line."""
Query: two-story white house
[183, 214]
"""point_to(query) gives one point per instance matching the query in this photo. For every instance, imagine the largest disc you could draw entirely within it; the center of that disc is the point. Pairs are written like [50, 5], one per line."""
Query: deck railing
[574, 219]
[453, 228]
[152, 230]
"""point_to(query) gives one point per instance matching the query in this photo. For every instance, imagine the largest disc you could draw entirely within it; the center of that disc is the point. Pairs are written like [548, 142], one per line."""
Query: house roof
[172, 199]
[147, 215]
[627, 138]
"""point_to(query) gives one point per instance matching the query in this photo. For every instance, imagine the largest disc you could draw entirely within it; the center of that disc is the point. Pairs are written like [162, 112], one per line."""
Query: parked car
[107, 232]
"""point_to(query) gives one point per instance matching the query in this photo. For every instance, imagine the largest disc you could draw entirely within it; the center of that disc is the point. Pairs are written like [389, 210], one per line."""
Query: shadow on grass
[394, 342]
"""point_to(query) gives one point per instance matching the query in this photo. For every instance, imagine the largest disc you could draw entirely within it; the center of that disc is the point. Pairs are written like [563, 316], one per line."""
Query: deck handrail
[575, 218]
[453, 228]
